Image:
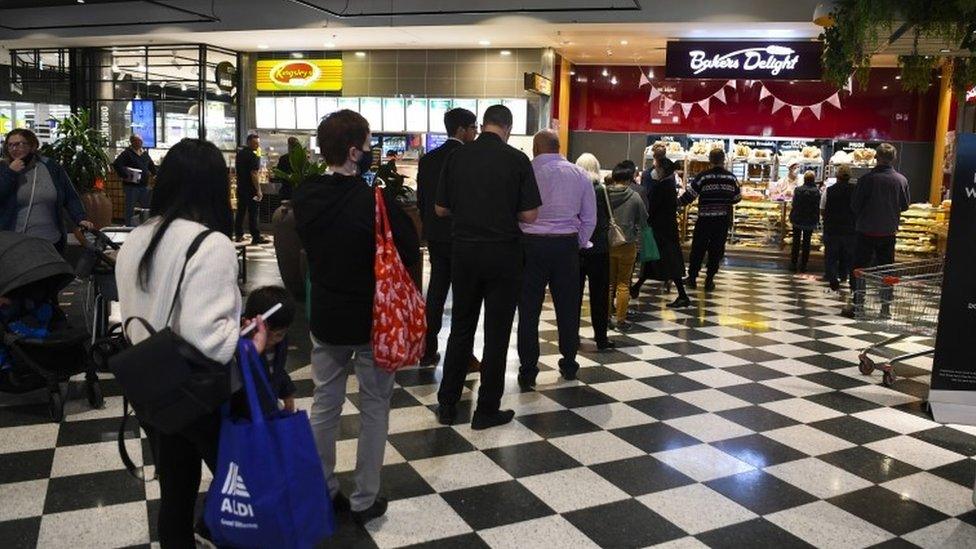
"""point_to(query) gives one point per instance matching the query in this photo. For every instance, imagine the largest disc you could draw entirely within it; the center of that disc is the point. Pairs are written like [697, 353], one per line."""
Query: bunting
[834, 100]
[777, 105]
[668, 103]
[686, 108]
[816, 109]
[654, 95]
[704, 105]
[643, 79]
[719, 95]
[796, 111]
[763, 93]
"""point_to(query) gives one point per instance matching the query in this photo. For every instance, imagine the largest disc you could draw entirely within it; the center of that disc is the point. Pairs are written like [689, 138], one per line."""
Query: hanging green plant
[916, 72]
[80, 149]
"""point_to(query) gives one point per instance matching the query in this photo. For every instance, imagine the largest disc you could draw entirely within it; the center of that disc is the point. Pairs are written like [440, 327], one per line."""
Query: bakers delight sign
[753, 60]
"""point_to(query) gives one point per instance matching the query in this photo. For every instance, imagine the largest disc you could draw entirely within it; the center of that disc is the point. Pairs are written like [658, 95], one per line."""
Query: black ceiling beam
[488, 11]
[201, 18]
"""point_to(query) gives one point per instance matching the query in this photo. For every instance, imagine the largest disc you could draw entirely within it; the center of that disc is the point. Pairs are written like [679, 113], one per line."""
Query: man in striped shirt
[716, 190]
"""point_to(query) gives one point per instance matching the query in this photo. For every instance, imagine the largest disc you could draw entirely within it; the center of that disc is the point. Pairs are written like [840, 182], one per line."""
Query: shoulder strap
[136, 472]
[194, 246]
[606, 195]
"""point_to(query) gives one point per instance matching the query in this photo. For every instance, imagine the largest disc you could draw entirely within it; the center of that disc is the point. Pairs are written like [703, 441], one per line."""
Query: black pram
[32, 271]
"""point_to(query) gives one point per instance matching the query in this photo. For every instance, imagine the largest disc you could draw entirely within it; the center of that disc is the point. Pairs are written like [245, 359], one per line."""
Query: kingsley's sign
[745, 60]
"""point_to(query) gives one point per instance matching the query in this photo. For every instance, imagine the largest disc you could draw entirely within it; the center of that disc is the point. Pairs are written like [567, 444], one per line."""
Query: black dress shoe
[430, 360]
[691, 283]
[709, 284]
[340, 503]
[568, 369]
[447, 414]
[679, 303]
[604, 345]
[527, 383]
[376, 510]
[835, 285]
[483, 420]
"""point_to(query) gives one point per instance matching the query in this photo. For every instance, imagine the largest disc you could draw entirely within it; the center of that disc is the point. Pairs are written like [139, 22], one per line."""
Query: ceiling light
[262, 46]
[613, 81]
[81, 1]
[360, 54]
[572, 73]
[650, 73]
[605, 72]
[897, 77]
[884, 87]
[945, 50]
[329, 44]
[505, 52]
[297, 55]
[623, 42]
[484, 42]
[792, 82]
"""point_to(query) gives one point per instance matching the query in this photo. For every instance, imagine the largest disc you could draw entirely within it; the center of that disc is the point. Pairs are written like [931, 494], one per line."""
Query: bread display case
[753, 161]
[923, 229]
[807, 154]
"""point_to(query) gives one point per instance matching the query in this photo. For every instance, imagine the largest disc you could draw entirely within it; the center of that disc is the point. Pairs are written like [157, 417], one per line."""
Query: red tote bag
[399, 319]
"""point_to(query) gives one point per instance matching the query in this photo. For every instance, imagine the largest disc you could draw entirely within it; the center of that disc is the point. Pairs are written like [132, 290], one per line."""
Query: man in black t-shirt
[249, 193]
[487, 187]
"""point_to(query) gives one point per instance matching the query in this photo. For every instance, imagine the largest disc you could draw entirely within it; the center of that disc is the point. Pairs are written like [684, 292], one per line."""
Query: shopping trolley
[901, 299]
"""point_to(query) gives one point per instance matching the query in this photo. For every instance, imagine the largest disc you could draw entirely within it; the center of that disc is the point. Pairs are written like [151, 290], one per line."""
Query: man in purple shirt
[551, 244]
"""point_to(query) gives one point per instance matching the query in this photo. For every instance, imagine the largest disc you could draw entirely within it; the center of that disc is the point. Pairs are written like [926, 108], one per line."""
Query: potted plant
[80, 149]
[288, 247]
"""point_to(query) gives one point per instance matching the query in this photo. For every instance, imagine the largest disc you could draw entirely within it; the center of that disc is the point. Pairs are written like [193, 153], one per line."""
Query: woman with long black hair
[192, 196]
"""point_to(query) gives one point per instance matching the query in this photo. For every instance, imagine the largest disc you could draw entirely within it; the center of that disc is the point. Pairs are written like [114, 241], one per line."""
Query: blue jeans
[135, 195]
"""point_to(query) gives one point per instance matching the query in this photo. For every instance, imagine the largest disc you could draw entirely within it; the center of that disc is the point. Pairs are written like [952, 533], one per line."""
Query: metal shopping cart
[901, 299]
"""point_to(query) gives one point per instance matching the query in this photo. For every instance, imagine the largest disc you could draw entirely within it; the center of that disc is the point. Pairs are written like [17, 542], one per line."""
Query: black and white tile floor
[742, 421]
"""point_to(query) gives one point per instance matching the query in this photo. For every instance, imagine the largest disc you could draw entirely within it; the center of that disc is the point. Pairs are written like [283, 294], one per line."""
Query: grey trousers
[330, 369]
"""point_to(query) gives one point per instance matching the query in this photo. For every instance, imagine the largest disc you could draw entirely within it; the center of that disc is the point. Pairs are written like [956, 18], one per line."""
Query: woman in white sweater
[190, 197]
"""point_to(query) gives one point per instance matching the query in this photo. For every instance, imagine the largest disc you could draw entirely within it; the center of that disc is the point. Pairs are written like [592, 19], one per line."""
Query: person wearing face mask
[335, 216]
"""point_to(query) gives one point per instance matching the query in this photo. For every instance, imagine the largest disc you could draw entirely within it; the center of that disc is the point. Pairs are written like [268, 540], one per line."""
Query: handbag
[648, 249]
[269, 489]
[399, 318]
[167, 380]
[615, 235]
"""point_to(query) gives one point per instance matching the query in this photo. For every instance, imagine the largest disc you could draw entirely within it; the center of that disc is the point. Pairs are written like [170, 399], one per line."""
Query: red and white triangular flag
[815, 109]
[643, 79]
[720, 95]
[763, 92]
[834, 100]
[777, 105]
[666, 103]
[654, 94]
[730, 84]
[686, 108]
[796, 112]
[704, 105]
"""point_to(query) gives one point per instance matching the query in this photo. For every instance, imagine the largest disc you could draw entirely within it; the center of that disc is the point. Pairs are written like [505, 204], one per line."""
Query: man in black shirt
[717, 190]
[136, 187]
[487, 187]
[249, 193]
[462, 127]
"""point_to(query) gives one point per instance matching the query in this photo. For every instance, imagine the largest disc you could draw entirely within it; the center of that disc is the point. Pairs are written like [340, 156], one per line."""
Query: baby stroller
[97, 267]
[32, 271]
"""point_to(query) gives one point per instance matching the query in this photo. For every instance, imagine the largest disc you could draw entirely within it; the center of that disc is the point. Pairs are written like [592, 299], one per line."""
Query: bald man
[551, 244]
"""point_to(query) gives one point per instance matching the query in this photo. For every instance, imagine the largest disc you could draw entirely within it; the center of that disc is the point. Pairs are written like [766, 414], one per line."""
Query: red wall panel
[883, 111]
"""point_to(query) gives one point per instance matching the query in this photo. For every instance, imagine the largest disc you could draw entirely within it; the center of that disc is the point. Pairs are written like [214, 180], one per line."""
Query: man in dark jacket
[838, 228]
[135, 184]
[249, 195]
[879, 198]
[284, 164]
[488, 187]
[462, 127]
[717, 191]
[335, 216]
[804, 217]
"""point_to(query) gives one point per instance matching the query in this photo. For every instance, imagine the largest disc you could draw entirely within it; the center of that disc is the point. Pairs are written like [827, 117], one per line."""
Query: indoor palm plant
[80, 150]
[288, 247]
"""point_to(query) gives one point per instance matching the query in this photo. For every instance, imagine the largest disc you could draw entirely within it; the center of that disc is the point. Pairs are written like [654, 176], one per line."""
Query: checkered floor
[742, 421]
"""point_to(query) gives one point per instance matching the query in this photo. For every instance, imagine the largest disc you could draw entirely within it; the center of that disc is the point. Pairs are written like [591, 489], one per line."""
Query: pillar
[941, 127]
[564, 83]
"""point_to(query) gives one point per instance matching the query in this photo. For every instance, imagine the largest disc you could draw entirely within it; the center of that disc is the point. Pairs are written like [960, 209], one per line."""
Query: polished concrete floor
[742, 421]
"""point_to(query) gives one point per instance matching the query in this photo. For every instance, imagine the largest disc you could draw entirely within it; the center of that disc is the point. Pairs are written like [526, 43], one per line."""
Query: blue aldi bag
[269, 489]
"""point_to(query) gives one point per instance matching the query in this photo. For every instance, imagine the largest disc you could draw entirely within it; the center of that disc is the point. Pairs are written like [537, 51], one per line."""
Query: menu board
[416, 115]
[307, 113]
[372, 110]
[326, 106]
[285, 113]
[483, 105]
[435, 113]
[470, 104]
[850, 146]
[144, 121]
[799, 144]
[668, 138]
[351, 103]
[520, 114]
[264, 110]
[393, 114]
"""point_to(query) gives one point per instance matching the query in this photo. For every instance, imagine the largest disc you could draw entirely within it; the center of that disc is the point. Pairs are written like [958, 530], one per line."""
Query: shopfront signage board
[536, 83]
[225, 75]
[850, 146]
[753, 143]
[144, 121]
[299, 75]
[798, 144]
[953, 392]
[751, 60]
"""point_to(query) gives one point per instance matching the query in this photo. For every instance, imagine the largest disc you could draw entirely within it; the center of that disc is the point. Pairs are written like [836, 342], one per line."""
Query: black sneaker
[483, 420]
[340, 503]
[679, 303]
[835, 286]
[447, 414]
[568, 369]
[709, 284]
[527, 383]
[430, 360]
[376, 510]
[634, 291]
[691, 283]
[847, 312]
[604, 345]
[624, 326]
